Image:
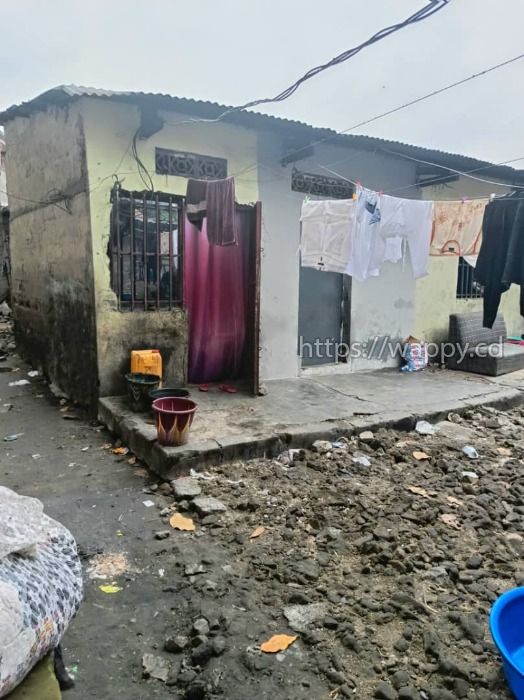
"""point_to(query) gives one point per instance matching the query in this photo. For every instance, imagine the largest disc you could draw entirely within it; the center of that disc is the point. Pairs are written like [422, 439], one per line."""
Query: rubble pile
[378, 557]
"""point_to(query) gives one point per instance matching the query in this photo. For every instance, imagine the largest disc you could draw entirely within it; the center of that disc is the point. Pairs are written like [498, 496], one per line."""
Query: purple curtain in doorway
[216, 294]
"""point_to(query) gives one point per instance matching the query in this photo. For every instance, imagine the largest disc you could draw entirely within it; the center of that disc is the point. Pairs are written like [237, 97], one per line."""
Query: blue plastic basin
[507, 629]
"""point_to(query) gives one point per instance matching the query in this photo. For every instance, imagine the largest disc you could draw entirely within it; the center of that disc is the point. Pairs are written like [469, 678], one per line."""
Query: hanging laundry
[501, 259]
[393, 250]
[221, 228]
[214, 200]
[365, 230]
[383, 226]
[326, 234]
[196, 202]
[411, 220]
[457, 227]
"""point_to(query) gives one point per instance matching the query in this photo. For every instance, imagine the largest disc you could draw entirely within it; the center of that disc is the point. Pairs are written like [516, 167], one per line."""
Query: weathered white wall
[279, 264]
[379, 307]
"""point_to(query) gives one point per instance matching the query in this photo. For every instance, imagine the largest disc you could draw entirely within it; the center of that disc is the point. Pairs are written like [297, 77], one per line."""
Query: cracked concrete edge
[171, 462]
[140, 438]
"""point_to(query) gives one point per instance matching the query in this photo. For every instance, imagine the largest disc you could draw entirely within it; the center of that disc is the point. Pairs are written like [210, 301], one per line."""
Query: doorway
[323, 316]
[221, 295]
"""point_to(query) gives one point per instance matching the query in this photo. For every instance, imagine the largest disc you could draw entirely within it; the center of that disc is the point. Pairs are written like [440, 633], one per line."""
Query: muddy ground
[383, 564]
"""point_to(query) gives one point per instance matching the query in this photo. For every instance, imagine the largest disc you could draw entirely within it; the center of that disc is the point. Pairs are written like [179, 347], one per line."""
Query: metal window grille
[168, 162]
[467, 286]
[321, 185]
[146, 249]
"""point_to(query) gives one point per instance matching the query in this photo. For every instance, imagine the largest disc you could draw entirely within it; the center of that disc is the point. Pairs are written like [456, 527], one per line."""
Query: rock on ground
[206, 505]
[186, 487]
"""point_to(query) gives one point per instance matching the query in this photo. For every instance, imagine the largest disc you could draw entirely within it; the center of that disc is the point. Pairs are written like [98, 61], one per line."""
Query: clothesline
[357, 236]
[404, 188]
[461, 199]
[457, 172]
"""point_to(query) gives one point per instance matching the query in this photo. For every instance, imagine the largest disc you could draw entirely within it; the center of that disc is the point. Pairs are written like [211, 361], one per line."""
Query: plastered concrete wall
[4, 254]
[109, 128]
[435, 297]
[51, 260]
[384, 306]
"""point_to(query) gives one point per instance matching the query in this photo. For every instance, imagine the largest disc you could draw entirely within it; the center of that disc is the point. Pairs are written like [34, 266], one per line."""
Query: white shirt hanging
[326, 234]
[365, 230]
[381, 224]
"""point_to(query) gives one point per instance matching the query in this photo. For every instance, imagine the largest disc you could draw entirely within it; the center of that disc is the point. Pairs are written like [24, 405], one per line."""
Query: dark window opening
[146, 249]
[467, 286]
[168, 162]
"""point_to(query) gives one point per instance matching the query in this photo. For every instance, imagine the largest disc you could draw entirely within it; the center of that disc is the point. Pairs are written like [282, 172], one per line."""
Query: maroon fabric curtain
[216, 287]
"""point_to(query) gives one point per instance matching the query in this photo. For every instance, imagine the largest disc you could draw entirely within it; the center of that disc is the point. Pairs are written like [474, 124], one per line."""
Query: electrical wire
[500, 184]
[281, 176]
[424, 13]
[347, 179]
[143, 172]
[437, 180]
[452, 170]
[331, 136]
[435, 92]
[332, 172]
[405, 105]
[54, 202]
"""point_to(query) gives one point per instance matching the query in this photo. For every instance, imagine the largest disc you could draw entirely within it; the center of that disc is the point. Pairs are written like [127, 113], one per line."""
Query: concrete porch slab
[296, 412]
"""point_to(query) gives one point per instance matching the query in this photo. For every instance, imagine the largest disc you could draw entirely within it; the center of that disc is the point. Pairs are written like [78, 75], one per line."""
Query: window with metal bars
[321, 185]
[169, 162]
[146, 249]
[467, 286]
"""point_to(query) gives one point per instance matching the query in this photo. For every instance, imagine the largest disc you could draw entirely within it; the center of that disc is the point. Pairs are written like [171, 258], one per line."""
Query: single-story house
[101, 260]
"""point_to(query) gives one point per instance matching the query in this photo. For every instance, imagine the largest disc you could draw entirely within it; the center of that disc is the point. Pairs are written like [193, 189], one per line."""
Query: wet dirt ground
[382, 555]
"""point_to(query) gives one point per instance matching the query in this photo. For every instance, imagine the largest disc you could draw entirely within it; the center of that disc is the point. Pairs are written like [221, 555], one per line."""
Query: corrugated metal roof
[64, 94]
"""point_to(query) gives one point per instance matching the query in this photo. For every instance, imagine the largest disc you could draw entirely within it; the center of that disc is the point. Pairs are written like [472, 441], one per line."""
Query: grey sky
[231, 51]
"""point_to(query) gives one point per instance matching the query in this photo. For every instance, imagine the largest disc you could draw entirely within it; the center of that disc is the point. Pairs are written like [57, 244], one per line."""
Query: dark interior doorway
[221, 295]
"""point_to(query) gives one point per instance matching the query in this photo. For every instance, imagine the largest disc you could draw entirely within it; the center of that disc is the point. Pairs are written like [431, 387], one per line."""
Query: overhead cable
[405, 105]
[431, 8]
[443, 178]
[435, 92]
[452, 170]
[143, 172]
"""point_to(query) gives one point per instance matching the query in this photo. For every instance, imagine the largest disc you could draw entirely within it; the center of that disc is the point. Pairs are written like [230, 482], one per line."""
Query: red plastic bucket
[174, 417]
